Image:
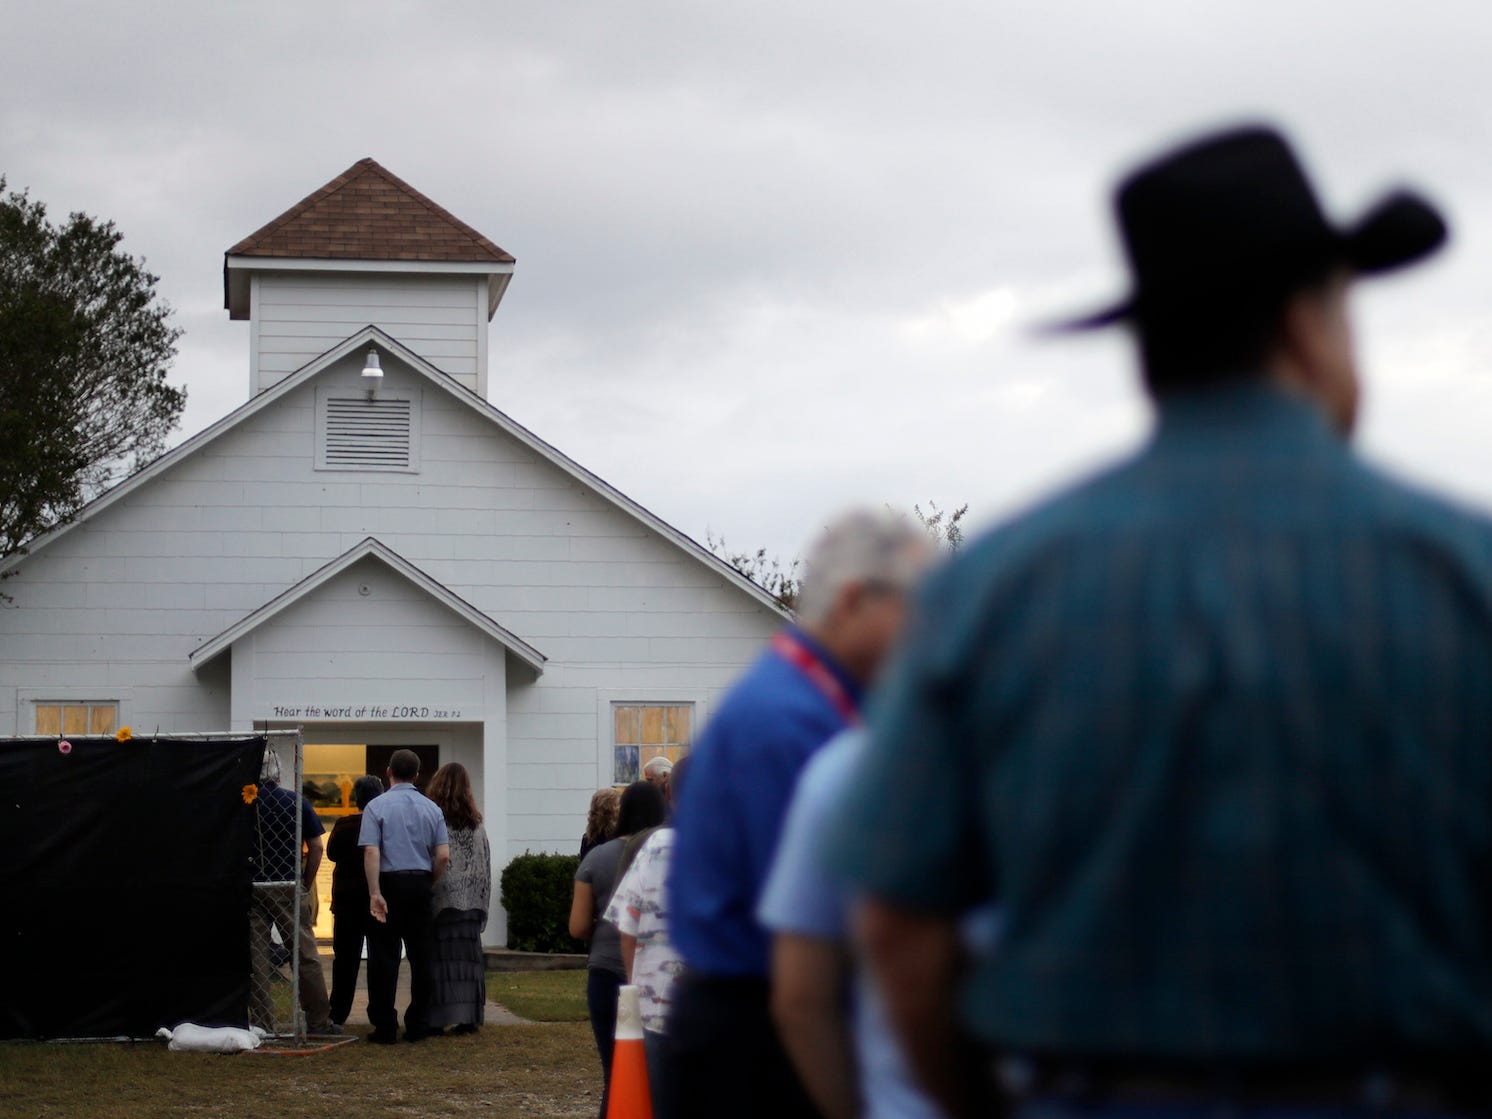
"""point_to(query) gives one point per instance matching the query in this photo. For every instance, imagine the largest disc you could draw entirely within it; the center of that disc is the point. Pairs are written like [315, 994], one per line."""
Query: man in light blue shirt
[405, 850]
[835, 1029]
[808, 909]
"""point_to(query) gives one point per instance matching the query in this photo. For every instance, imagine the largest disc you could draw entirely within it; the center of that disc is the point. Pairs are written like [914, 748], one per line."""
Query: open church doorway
[330, 770]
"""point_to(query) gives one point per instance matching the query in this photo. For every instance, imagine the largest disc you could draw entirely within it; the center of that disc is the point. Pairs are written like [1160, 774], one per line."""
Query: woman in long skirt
[458, 980]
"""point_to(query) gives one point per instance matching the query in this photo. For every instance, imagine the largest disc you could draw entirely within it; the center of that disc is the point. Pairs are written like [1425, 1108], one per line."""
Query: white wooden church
[370, 550]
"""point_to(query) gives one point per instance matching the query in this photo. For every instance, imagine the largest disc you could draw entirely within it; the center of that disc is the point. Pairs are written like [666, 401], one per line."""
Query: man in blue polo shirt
[800, 693]
[278, 862]
[405, 851]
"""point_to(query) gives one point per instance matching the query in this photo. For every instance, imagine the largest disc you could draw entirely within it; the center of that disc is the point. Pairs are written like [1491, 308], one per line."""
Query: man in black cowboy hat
[1214, 728]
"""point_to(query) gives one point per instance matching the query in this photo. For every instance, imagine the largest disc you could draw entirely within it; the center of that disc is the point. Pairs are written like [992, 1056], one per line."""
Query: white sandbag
[192, 1038]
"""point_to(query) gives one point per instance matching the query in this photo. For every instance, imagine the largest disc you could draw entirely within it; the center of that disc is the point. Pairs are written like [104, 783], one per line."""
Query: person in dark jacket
[349, 899]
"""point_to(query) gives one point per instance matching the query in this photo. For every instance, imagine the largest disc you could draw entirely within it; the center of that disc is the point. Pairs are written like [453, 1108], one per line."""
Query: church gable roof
[368, 213]
[372, 335]
[377, 550]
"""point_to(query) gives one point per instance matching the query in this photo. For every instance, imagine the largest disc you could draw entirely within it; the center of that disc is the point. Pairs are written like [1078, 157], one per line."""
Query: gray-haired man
[803, 691]
[659, 771]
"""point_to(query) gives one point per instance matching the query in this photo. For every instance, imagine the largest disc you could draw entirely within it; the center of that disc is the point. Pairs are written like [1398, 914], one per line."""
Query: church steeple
[366, 248]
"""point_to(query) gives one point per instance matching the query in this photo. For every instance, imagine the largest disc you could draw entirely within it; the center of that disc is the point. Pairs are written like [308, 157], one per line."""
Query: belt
[403, 873]
[1452, 1089]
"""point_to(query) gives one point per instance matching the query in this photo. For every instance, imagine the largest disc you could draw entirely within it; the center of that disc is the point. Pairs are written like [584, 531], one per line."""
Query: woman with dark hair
[639, 910]
[641, 807]
[458, 976]
[350, 914]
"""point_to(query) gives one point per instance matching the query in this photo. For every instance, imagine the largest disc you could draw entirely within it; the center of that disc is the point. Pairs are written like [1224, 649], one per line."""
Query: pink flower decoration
[64, 747]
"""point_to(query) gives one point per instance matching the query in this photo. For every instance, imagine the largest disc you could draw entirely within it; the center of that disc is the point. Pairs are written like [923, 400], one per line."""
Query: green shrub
[536, 892]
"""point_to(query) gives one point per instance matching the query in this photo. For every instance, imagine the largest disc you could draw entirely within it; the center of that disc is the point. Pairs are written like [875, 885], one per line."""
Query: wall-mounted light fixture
[372, 373]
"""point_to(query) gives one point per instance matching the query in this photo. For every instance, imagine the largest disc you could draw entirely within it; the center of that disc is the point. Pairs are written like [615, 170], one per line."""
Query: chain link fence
[287, 989]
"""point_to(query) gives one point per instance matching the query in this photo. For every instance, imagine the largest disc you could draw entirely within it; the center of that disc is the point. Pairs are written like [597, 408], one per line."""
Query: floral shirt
[639, 908]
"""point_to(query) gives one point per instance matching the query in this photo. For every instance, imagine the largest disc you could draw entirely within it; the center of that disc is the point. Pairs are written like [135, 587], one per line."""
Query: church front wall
[112, 608]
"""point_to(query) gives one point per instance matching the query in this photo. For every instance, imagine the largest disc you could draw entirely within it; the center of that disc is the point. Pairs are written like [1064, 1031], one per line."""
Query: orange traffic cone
[629, 1097]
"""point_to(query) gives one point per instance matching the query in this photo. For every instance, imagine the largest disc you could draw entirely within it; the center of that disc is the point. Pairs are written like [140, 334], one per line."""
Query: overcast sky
[777, 258]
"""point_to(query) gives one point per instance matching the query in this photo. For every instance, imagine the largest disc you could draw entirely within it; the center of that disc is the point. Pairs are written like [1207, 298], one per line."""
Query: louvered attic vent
[367, 435]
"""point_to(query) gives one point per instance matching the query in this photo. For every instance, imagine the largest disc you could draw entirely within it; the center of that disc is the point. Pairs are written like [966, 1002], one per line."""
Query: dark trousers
[349, 929]
[601, 987]
[412, 924]
[660, 1088]
[723, 1056]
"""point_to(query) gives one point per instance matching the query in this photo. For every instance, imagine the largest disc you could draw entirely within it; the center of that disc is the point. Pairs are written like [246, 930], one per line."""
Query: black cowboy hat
[1232, 215]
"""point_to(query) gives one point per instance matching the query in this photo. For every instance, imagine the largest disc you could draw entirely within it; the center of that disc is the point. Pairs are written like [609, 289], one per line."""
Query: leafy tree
[84, 347]
[943, 525]
[783, 582]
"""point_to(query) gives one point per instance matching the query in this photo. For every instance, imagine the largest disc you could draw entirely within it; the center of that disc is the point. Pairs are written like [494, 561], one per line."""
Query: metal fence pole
[278, 901]
[300, 894]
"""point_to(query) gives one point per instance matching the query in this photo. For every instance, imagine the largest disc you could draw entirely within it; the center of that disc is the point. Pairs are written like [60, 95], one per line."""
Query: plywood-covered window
[644, 731]
[77, 718]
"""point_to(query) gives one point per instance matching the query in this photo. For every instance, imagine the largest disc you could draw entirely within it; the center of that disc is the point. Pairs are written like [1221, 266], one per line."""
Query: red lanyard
[801, 657]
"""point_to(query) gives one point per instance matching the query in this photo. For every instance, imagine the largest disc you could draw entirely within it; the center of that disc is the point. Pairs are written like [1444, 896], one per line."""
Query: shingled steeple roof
[367, 213]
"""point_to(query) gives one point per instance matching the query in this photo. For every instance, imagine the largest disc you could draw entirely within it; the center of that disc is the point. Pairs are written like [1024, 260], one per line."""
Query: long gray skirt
[458, 975]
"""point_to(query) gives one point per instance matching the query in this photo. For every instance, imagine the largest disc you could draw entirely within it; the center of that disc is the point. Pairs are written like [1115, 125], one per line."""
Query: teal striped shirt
[1214, 729]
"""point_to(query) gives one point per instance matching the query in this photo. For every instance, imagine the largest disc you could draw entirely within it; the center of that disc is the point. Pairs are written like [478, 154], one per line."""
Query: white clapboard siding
[369, 623]
[297, 316]
[112, 608]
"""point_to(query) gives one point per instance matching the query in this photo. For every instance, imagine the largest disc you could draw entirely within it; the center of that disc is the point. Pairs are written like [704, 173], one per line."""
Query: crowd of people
[412, 875]
[1168, 797]
[1171, 796]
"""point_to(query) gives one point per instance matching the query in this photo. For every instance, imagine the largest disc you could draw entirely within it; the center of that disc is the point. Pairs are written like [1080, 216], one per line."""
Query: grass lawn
[503, 1071]
[543, 996]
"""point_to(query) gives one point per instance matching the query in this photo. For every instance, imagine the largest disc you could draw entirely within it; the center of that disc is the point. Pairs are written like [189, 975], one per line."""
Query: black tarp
[124, 884]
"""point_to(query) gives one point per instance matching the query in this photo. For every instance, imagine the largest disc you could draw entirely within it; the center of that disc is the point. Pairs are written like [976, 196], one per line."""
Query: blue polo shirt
[278, 856]
[405, 826]
[743, 771]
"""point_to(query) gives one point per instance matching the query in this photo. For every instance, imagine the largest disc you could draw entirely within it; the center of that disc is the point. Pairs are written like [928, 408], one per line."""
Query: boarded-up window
[644, 731]
[77, 718]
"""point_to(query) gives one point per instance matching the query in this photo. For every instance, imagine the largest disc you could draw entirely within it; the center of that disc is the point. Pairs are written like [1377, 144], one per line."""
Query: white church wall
[368, 624]
[121, 600]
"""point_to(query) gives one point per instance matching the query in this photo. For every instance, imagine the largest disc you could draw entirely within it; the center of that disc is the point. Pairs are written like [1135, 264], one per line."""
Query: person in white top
[639, 910]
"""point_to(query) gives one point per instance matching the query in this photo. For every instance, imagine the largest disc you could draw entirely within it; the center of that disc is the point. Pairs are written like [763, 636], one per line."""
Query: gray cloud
[776, 258]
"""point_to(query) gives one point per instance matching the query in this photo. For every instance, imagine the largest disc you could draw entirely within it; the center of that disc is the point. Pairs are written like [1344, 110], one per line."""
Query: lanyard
[801, 657]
